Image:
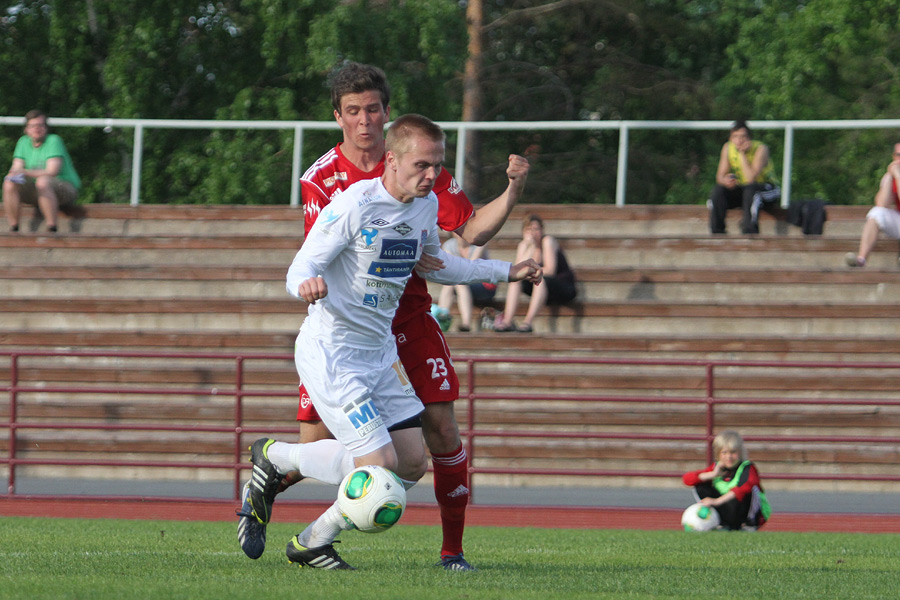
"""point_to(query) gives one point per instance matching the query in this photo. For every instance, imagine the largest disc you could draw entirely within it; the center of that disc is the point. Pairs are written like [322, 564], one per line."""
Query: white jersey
[365, 244]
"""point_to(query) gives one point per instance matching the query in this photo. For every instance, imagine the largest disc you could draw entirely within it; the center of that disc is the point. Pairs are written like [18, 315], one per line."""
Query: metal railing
[40, 385]
[462, 129]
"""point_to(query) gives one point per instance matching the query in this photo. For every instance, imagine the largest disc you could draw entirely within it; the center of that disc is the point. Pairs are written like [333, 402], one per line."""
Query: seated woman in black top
[558, 286]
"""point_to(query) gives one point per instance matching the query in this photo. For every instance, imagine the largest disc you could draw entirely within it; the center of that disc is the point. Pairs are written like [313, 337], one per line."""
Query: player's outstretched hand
[527, 270]
[313, 289]
[517, 170]
[429, 264]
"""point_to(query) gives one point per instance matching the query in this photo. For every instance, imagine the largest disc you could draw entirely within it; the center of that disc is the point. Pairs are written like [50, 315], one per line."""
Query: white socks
[325, 460]
[325, 529]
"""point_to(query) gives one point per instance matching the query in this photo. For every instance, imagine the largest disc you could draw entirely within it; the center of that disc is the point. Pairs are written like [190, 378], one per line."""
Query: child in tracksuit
[731, 485]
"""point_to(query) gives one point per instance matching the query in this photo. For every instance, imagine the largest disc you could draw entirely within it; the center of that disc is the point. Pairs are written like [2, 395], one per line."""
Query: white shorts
[888, 220]
[357, 393]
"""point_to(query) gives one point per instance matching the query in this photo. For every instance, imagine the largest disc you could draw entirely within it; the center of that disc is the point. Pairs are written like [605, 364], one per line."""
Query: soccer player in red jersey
[361, 99]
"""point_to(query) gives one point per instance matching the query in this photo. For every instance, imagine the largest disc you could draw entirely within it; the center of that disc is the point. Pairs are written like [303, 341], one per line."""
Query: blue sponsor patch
[363, 415]
[399, 249]
[370, 300]
[386, 269]
[328, 216]
[369, 234]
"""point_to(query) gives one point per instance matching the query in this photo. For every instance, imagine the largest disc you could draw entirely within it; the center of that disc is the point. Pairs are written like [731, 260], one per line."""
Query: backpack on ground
[809, 215]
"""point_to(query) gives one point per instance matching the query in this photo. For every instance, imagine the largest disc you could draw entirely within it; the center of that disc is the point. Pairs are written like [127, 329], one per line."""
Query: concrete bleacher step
[597, 251]
[598, 283]
[478, 343]
[576, 219]
[634, 317]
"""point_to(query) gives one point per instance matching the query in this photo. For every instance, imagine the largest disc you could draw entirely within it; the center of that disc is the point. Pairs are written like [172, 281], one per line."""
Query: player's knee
[412, 469]
[443, 438]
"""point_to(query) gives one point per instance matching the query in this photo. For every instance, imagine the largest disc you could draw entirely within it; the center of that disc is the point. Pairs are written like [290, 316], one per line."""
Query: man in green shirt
[42, 174]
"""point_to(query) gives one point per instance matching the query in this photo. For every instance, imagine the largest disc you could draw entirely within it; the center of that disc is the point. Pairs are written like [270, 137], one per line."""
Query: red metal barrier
[865, 388]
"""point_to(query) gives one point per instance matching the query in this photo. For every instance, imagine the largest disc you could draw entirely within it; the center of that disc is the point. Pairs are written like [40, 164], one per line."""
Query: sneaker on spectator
[853, 260]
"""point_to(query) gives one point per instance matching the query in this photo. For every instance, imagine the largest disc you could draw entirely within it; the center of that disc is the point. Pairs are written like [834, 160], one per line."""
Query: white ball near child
[698, 517]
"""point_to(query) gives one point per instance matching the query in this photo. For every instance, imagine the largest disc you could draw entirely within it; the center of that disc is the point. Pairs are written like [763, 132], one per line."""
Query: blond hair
[729, 440]
[404, 129]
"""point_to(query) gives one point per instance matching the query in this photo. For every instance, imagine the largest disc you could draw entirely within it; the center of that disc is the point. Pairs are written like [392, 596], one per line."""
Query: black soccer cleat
[251, 533]
[322, 557]
[455, 562]
[264, 481]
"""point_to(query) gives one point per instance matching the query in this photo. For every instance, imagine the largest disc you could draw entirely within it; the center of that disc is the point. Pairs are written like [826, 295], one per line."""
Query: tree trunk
[472, 99]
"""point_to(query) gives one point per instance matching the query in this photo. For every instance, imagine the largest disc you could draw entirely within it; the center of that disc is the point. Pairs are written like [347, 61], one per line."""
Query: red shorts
[426, 359]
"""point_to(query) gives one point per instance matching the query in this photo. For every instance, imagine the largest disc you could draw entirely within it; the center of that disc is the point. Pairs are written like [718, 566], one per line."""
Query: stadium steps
[208, 274]
[656, 285]
[515, 440]
[580, 219]
[688, 347]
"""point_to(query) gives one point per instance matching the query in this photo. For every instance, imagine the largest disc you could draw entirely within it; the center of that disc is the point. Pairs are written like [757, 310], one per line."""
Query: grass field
[105, 558]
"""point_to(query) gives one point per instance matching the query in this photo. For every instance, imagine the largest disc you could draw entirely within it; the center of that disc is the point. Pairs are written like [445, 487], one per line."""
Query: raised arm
[488, 219]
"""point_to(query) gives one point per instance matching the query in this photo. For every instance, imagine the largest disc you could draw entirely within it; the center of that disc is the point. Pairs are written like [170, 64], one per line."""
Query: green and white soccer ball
[442, 316]
[372, 498]
[698, 517]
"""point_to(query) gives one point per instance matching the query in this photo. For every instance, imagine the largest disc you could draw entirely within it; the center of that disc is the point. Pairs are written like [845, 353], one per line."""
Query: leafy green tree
[822, 59]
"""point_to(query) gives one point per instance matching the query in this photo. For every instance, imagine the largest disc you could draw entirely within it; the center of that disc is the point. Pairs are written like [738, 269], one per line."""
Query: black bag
[809, 215]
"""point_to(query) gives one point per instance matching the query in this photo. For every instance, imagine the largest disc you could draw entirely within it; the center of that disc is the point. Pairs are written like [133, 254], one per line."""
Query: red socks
[451, 489]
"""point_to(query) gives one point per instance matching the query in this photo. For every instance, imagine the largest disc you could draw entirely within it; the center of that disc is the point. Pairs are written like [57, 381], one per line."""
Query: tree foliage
[543, 60]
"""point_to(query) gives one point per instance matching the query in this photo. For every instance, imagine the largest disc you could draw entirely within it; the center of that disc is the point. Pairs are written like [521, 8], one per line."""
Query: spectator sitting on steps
[559, 279]
[884, 216]
[744, 179]
[467, 295]
[42, 174]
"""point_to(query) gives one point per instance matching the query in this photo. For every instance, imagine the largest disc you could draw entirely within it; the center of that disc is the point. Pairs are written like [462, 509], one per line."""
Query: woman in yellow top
[744, 179]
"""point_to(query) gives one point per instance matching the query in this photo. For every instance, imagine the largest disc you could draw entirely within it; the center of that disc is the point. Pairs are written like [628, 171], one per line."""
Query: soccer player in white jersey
[352, 270]
[360, 95]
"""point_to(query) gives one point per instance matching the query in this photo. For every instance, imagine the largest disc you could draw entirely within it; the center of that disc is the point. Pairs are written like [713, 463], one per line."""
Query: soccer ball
[442, 316]
[698, 517]
[372, 498]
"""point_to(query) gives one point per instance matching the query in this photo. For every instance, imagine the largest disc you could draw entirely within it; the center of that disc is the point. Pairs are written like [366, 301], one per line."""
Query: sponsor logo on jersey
[399, 249]
[424, 238]
[369, 234]
[445, 387]
[363, 415]
[380, 223]
[370, 300]
[305, 400]
[383, 269]
[338, 176]
[402, 229]
[375, 283]
[454, 187]
[366, 199]
[328, 216]
[401, 338]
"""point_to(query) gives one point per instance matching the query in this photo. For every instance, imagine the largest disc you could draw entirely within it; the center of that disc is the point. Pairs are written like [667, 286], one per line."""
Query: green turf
[98, 559]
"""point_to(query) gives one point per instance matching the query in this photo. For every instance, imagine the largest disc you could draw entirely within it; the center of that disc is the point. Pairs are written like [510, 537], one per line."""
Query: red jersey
[740, 491]
[333, 173]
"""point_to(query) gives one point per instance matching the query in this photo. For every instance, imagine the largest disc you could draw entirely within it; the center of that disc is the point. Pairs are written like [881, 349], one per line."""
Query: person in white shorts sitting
[352, 270]
[884, 216]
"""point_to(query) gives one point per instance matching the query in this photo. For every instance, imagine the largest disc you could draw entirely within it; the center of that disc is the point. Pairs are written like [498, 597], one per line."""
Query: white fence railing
[462, 128]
